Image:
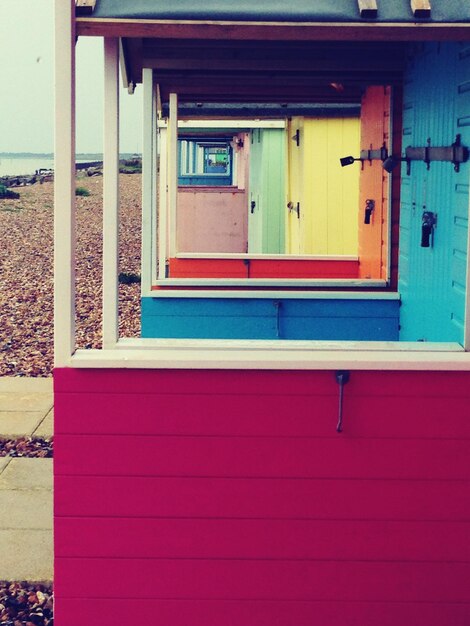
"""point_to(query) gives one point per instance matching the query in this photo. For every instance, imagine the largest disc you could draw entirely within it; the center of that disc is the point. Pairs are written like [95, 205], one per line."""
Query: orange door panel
[373, 232]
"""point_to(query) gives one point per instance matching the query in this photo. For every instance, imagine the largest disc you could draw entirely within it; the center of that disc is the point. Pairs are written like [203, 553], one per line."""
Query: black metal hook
[341, 377]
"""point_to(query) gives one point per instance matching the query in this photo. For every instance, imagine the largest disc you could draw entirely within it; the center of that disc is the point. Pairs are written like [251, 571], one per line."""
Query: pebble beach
[26, 272]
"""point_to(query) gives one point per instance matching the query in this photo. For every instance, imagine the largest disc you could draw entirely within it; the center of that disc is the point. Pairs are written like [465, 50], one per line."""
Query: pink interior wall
[215, 219]
[191, 498]
[211, 219]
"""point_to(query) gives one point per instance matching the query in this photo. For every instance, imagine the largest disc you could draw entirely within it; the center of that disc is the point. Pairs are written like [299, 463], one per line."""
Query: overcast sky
[27, 84]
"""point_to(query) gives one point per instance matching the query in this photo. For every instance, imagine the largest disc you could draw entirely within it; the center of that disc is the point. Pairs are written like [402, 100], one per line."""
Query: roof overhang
[273, 31]
[207, 70]
[267, 61]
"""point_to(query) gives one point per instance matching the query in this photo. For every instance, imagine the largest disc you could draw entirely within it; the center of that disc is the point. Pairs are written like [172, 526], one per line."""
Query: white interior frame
[167, 211]
[181, 353]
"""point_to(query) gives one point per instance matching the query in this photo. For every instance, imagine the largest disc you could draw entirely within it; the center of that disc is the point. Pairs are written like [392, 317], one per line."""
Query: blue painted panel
[232, 318]
[432, 280]
[205, 181]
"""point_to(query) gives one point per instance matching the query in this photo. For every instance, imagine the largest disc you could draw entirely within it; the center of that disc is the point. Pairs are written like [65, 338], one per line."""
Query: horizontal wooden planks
[254, 415]
[129, 496]
[207, 268]
[209, 497]
[336, 457]
[258, 268]
[330, 540]
[109, 612]
[217, 414]
[264, 580]
[260, 307]
[232, 318]
[305, 269]
[246, 382]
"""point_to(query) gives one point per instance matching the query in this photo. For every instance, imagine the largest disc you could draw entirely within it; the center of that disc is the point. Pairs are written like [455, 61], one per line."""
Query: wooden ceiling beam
[84, 7]
[367, 9]
[421, 8]
[273, 47]
[273, 31]
[197, 92]
[248, 60]
[245, 59]
[237, 65]
[133, 49]
[229, 98]
[344, 80]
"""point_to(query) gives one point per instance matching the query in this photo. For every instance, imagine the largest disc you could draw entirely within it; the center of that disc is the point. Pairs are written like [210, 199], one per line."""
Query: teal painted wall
[266, 222]
[432, 280]
[256, 318]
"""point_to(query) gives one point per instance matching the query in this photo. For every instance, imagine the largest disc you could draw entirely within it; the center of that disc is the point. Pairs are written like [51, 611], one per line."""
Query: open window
[271, 297]
[204, 161]
[269, 200]
[283, 286]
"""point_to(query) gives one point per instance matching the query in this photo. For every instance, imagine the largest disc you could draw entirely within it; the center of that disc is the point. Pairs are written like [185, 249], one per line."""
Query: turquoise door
[432, 279]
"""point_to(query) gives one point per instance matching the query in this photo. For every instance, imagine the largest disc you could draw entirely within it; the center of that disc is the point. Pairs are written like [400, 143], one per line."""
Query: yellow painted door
[294, 186]
[330, 192]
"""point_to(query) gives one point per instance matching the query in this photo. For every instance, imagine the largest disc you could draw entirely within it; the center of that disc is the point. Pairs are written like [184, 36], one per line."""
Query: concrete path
[26, 407]
[26, 484]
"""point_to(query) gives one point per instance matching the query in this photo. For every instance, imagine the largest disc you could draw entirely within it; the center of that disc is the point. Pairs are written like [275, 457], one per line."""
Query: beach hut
[286, 449]
[229, 210]
[236, 219]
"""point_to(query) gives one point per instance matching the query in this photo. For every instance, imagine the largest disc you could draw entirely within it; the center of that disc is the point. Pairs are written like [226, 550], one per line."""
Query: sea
[19, 165]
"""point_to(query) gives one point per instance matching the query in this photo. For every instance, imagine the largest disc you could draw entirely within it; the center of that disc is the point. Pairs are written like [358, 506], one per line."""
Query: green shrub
[8, 193]
[130, 166]
[82, 191]
[127, 278]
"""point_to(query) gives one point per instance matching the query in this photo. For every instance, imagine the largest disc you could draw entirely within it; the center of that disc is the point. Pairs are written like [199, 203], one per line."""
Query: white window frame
[178, 353]
[167, 245]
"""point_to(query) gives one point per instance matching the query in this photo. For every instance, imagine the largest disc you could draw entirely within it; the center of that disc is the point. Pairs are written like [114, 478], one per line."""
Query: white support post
[111, 194]
[64, 184]
[155, 147]
[149, 173]
[173, 171]
[163, 206]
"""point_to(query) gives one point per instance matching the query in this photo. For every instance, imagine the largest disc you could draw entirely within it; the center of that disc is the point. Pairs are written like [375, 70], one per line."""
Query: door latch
[427, 229]
[252, 206]
[370, 206]
[292, 207]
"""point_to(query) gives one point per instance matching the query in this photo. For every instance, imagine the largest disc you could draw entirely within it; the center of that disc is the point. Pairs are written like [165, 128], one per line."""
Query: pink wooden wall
[226, 498]
[215, 219]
